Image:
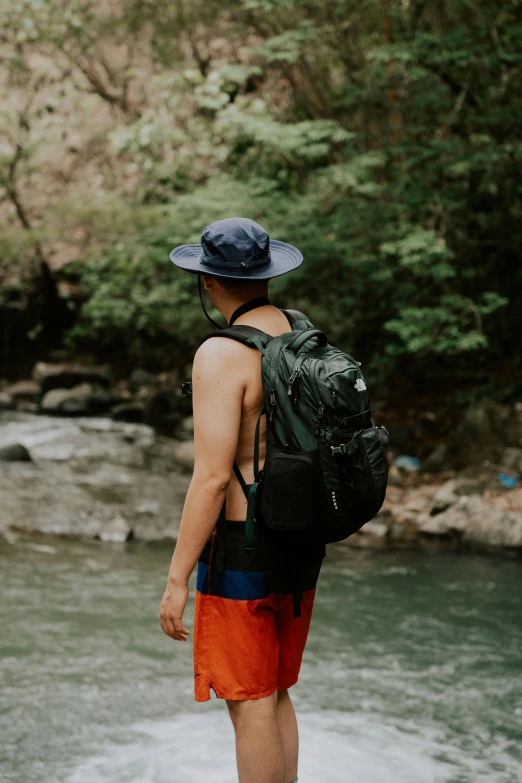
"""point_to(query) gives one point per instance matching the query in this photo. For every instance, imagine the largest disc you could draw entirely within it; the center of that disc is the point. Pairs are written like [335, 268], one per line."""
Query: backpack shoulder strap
[248, 335]
[297, 319]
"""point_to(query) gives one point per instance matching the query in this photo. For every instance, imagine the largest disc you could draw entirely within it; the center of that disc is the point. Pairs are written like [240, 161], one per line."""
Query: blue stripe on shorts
[241, 585]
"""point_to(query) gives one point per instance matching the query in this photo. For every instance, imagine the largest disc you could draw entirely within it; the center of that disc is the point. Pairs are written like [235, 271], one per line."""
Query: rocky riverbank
[68, 473]
[75, 390]
[90, 477]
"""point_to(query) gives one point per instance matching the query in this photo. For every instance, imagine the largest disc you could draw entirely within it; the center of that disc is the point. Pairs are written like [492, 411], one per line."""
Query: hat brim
[283, 258]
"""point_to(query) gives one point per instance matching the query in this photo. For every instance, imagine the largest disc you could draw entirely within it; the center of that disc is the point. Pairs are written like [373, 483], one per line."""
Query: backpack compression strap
[252, 494]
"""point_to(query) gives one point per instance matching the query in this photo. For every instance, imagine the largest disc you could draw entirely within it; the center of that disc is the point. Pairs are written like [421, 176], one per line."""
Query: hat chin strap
[200, 289]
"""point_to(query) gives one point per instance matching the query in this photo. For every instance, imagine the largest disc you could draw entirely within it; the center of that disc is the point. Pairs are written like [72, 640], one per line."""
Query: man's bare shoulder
[220, 355]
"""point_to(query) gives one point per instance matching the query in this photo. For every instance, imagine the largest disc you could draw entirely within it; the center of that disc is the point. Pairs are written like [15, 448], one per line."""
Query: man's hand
[171, 611]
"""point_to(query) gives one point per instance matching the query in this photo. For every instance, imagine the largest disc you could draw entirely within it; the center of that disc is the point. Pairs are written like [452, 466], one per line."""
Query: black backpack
[326, 463]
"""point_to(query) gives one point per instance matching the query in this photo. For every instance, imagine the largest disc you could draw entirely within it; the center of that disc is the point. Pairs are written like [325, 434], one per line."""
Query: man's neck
[230, 306]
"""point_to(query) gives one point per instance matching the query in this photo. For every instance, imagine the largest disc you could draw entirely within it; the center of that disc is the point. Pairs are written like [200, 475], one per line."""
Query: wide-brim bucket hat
[239, 248]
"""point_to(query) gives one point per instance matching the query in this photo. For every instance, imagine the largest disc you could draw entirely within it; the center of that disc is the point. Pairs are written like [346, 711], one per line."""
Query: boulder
[85, 473]
[185, 429]
[414, 502]
[140, 378]
[100, 402]
[14, 452]
[148, 507]
[187, 425]
[132, 412]
[183, 454]
[473, 520]
[450, 492]
[117, 531]
[27, 406]
[81, 400]
[164, 411]
[514, 499]
[67, 376]
[511, 460]
[24, 390]
[375, 528]
[438, 460]
[6, 401]
[395, 477]
[481, 434]
[67, 400]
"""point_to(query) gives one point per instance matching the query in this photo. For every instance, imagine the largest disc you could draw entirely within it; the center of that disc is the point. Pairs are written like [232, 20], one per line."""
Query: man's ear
[207, 282]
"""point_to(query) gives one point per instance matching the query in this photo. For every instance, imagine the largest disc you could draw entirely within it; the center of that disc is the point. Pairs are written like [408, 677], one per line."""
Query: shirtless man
[247, 644]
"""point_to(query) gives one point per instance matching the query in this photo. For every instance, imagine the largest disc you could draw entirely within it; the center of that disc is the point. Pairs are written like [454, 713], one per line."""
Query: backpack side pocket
[356, 475]
[291, 496]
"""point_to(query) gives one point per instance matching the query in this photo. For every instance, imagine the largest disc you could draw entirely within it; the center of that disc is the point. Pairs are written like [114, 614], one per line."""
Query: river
[412, 673]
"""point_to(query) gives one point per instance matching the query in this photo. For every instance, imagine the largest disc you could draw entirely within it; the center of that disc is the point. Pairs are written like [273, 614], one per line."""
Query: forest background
[382, 137]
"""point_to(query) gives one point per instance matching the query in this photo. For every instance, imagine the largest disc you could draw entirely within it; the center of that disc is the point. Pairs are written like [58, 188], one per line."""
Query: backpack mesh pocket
[291, 495]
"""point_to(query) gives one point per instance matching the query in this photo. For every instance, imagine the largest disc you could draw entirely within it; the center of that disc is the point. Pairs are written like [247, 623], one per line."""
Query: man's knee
[252, 710]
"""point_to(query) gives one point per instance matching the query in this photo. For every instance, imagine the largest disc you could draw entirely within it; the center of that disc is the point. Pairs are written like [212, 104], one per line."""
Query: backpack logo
[360, 385]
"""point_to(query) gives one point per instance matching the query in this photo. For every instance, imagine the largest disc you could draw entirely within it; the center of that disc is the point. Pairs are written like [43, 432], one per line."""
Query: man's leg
[287, 723]
[259, 746]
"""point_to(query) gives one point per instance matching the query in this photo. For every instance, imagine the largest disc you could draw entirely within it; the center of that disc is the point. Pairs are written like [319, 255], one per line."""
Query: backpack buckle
[338, 449]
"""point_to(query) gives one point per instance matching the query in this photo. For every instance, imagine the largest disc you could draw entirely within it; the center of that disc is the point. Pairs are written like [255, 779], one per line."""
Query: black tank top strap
[259, 301]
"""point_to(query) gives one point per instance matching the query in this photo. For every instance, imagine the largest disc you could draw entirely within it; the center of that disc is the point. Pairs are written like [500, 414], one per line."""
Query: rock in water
[15, 452]
[475, 521]
[117, 531]
[72, 401]
[84, 473]
[79, 401]
[24, 390]
[375, 527]
[450, 492]
[6, 402]
[66, 376]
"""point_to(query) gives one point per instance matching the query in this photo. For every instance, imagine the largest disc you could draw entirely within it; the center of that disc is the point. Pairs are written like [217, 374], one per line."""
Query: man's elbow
[212, 481]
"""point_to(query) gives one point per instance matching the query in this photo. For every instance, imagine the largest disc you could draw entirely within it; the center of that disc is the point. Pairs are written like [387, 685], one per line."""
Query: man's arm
[218, 385]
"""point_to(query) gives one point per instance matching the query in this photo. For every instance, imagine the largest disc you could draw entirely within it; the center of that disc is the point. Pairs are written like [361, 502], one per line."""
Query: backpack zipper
[332, 390]
[320, 414]
[272, 404]
[291, 380]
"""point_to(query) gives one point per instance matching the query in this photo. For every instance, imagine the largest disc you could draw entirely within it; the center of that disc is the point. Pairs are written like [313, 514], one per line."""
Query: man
[248, 644]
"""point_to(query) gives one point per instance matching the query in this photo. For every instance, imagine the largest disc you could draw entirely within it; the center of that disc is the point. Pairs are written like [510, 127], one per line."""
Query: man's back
[245, 365]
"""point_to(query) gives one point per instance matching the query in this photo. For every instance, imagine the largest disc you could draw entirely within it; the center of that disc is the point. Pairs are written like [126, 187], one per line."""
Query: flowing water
[412, 673]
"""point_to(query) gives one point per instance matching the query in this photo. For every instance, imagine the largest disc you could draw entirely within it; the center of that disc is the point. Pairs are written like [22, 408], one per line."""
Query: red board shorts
[247, 642]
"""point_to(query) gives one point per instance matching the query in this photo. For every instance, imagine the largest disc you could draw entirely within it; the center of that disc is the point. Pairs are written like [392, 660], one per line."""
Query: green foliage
[134, 302]
[381, 139]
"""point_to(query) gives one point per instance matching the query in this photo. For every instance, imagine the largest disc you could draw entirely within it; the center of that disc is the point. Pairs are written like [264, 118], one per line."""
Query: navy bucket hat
[238, 248]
